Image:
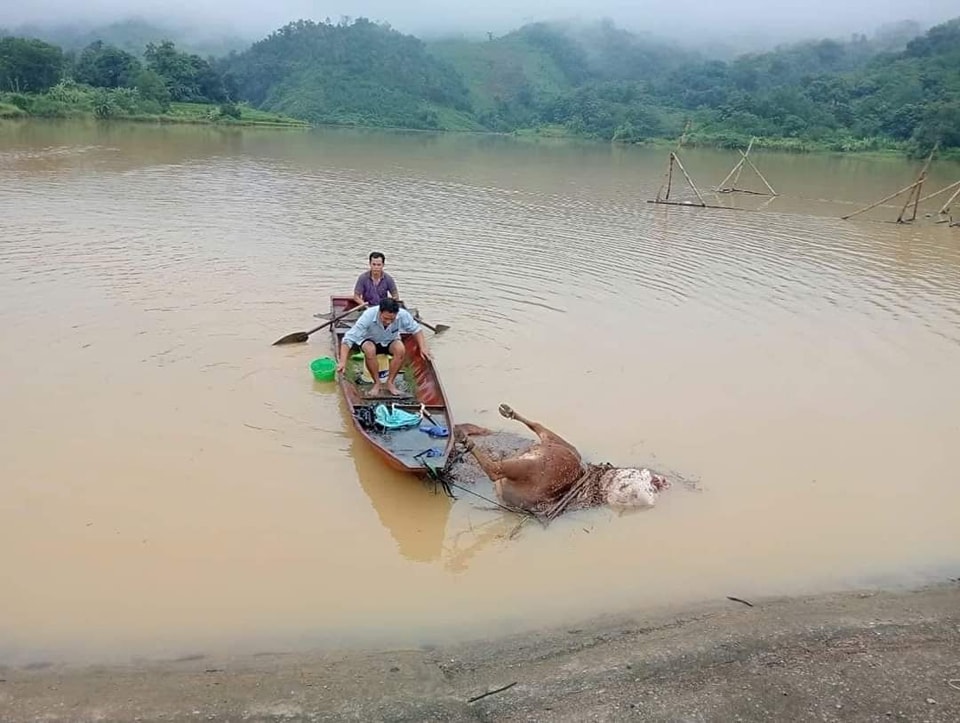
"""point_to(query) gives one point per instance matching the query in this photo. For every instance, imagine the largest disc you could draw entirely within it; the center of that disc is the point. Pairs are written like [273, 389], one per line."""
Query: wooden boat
[408, 449]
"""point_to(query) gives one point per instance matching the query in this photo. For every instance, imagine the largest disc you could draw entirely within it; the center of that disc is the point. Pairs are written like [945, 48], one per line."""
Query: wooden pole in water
[882, 200]
[946, 206]
[749, 148]
[917, 186]
[736, 169]
[667, 182]
[937, 193]
[915, 192]
[733, 170]
[689, 180]
[669, 177]
[772, 192]
[912, 187]
[916, 203]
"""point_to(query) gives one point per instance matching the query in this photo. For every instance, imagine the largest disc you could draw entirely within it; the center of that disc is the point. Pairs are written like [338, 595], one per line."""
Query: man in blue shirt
[377, 331]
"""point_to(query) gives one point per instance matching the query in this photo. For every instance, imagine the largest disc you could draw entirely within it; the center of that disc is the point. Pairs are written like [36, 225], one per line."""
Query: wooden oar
[298, 337]
[438, 329]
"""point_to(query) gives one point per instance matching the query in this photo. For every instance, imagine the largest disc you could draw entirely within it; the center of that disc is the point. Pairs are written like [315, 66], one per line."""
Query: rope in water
[517, 510]
[439, 475]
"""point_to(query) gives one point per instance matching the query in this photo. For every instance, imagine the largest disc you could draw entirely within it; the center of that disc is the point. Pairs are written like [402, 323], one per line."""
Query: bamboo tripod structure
[914, 198]
[663, 195]
[738, 169]
[945, 208]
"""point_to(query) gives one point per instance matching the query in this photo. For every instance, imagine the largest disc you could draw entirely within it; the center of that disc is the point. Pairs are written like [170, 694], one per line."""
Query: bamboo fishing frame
[738, 169]
[914, 190]
[668, 181]
[945, 207]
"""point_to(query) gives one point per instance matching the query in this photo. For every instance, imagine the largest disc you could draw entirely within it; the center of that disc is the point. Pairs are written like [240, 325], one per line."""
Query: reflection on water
[167, 475]
[416, 521]
[417, 513]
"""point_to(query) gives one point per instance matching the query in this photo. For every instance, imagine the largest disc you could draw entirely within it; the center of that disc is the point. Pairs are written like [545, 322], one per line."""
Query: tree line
[122, 83]
[899, 89]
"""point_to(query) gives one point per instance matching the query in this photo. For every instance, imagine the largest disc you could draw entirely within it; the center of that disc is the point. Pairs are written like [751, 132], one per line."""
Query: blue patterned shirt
[368, 326]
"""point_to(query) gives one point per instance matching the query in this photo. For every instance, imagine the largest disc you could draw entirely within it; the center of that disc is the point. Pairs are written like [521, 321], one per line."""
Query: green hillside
[355, 74]
[506, 77]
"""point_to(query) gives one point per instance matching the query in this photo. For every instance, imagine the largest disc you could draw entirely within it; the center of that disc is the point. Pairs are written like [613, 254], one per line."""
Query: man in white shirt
[377, 331]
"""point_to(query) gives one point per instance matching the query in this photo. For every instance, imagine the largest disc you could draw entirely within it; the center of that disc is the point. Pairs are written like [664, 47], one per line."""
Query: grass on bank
[72, 100]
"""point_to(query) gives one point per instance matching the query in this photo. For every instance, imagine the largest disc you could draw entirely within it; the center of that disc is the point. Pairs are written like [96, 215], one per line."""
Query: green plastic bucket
[324, 369]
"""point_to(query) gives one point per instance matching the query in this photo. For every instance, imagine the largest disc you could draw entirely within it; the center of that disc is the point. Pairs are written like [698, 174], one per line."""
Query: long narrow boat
[409, 449]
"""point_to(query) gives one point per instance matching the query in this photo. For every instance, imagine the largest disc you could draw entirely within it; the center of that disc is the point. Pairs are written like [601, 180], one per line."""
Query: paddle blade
[297, 337]
[440, 328]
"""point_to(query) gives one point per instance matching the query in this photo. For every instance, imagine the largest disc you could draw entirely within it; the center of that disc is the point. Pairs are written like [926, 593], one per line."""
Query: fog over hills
[719, 28]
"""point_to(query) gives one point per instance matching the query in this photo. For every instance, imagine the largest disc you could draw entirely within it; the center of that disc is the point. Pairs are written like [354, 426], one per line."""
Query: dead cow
[538, 478]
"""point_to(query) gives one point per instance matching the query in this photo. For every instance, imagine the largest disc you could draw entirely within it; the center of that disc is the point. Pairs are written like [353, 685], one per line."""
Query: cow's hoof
[506, 411]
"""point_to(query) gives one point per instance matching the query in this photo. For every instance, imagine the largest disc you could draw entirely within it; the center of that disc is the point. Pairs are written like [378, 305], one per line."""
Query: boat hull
[405, 450]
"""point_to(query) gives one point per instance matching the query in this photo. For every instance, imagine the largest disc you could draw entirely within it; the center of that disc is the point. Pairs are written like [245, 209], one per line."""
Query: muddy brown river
[172, 484]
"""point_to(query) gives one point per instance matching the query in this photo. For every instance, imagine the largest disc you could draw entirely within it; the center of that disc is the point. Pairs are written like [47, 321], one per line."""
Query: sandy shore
[870, 656]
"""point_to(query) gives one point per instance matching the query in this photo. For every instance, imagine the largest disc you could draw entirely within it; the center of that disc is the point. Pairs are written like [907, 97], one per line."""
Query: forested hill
[607, 83]
[595, 80]
[604, 82]
[358, 73]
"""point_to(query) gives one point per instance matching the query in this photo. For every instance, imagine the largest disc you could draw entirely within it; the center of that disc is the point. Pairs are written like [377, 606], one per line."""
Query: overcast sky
[806, 18]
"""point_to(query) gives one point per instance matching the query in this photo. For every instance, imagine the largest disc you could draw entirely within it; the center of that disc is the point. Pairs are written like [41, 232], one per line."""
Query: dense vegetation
[357, 73]
[898, 89]
[38, 79]
[890, 91]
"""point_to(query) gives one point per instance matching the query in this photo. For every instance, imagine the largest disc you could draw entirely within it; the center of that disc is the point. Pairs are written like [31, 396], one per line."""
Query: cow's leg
[517, 470]
[538, 429]
[472, 430]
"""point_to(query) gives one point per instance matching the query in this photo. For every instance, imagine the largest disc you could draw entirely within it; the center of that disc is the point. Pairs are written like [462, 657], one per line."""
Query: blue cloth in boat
[435, 430]
[394, 418]
[432, 452]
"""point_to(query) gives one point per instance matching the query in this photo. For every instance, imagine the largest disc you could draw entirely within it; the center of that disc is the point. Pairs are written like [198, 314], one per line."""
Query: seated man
[376, 284]
[541, 477]
[377, 331]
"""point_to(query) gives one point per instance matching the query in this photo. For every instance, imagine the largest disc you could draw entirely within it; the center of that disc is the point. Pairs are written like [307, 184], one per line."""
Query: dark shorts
[381, 349]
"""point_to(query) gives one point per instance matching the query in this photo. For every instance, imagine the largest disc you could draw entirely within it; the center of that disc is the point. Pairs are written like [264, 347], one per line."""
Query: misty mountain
[132, 35]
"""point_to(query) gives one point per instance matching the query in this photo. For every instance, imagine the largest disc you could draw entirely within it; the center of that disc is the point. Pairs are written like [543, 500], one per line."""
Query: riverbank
[850, 656]
[89, 104]
[43, 107]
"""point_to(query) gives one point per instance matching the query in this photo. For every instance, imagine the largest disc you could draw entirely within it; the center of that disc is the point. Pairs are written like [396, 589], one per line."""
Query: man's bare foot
[392, 388]
[375, 391]
[506, 411]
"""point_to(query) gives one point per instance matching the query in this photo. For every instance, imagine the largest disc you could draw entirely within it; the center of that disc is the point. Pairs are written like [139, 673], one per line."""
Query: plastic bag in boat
[394, 418]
